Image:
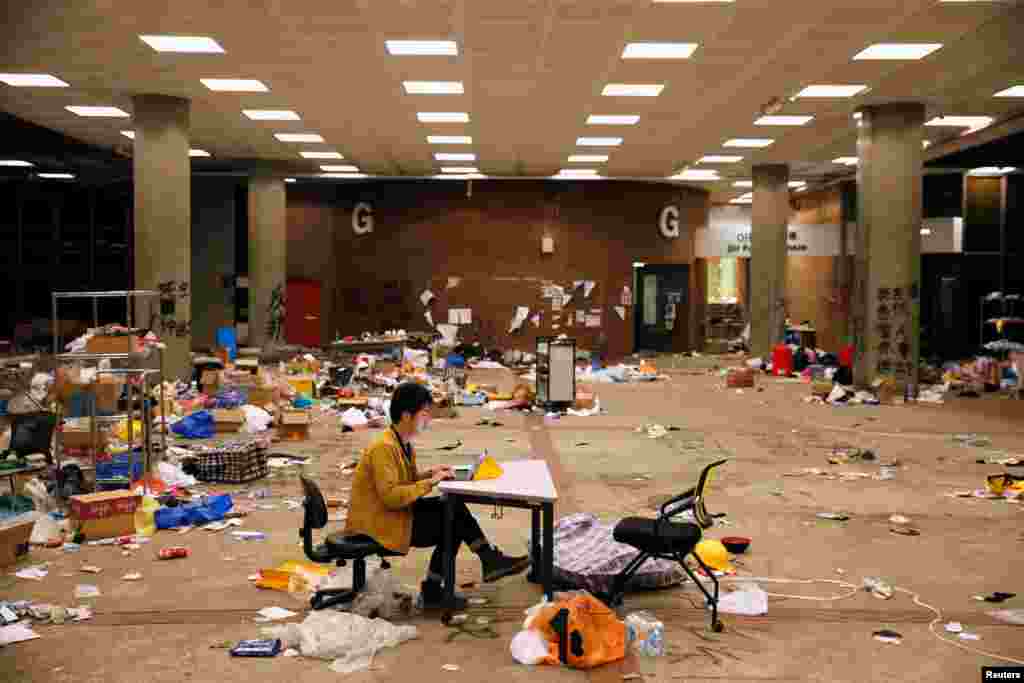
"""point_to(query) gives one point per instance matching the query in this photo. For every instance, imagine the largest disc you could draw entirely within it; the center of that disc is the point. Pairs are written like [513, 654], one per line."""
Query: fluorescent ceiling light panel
[435, 48]
[926, 231]
[743, 183]
[832, 91]
[598, 142]
[459, 169]
[99, 112]
[1015, 91]
[991, 170]
[18, 163]
[449, 140]
[433, 87]
[289, 180]
[299, 137]
[57, 176]
[613, 119]
[198, 153]
[719, 159]
[897, 51]
[588, 158]
[846, 161]
[797, 183]
[321, 155]
[271, 114]
[783, 120]
[193, 44]
[342, 175]
[455, 156]
[633, 89]
[926, 144]
[234, 84]
[130, 134]
[697, 175]
[32, 81]
[972, 122]
[752, 143]
[578, 171]
[340, 168]
[741, 200]
[443, 117]
[703, 2]
[659, 50]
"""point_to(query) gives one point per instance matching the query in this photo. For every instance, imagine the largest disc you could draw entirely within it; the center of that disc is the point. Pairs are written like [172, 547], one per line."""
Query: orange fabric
[601, 634]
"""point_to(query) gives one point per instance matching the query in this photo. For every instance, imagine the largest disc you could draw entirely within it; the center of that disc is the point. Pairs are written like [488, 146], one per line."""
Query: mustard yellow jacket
[384, 488]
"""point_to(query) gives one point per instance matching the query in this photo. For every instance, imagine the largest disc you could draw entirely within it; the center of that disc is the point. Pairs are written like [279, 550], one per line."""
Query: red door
[302, 313]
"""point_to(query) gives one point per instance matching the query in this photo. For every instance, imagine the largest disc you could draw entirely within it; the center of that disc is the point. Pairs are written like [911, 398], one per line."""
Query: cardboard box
[109, 344]
[83, 438]
[295, 417]
[105, 515]
[210, 381]
[584, 401]
[250, 365]
[14, 542]
[260, 396]
[821, 387]
[740, 378]
[228, 421]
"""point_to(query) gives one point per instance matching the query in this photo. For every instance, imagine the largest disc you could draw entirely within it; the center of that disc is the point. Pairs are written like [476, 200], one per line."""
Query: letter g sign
[362, 218]
[668, 221]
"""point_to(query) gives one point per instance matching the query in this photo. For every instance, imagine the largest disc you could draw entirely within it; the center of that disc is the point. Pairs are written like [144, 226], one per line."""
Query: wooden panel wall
[426, 232]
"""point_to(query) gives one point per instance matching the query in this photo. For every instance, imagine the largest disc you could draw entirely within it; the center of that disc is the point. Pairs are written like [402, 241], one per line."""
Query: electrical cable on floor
[916, 597]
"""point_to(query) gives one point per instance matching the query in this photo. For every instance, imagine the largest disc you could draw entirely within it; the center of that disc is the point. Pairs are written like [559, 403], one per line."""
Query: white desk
[524, 484]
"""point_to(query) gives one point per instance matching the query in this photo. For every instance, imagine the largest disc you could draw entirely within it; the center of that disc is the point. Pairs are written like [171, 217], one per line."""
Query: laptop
[467, 472]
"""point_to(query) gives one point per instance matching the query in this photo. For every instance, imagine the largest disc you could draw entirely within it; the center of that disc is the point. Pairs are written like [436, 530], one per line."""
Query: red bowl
[736, 544]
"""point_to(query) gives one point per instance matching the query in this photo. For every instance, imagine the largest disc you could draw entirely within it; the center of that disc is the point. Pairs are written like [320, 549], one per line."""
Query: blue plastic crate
[118, 467]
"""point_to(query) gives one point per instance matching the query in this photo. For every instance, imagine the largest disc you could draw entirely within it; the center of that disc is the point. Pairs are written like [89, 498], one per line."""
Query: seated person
[389, 503]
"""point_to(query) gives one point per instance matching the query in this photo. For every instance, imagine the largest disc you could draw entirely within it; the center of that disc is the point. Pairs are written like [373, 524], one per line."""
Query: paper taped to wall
[520, 317]
[621, 310]
[588, 287]
[426, 297]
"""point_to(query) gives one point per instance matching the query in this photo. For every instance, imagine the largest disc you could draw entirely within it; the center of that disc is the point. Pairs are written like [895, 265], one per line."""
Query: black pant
[428, 529]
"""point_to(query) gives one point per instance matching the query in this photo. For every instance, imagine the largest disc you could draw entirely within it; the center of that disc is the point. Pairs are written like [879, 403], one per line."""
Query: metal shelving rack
[145, 376]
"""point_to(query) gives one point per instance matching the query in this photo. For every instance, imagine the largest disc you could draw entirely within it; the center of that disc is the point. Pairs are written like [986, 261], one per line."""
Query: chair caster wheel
[718, 627]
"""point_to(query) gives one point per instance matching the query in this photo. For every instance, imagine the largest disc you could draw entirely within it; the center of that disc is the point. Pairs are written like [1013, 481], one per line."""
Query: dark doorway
[661, 313]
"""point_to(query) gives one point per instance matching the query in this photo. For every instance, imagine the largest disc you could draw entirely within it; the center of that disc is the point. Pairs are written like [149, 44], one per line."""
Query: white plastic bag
[749, 600]
[529, 647]
[256, 419]
[353, 417]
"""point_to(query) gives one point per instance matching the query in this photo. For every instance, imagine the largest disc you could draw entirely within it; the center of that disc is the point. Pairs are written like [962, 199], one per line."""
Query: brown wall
[426, 232]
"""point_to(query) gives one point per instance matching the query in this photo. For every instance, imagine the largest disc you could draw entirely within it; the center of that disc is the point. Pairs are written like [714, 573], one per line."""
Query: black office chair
[32, 433]
[336, 548]
[667, 540]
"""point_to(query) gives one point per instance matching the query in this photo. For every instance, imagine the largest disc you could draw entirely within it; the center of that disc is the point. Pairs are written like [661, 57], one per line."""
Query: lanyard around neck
[406, 448]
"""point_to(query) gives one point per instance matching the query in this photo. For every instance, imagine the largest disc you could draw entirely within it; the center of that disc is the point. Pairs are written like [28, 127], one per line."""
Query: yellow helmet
[712, 553]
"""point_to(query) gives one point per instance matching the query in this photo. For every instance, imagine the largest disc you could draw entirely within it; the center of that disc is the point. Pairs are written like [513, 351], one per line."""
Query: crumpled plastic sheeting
[749, 600]
[349, 639]
[353, 417]
[384, 597]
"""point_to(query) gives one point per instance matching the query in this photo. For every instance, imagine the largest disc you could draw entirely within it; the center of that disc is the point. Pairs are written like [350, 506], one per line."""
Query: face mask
[422, 425]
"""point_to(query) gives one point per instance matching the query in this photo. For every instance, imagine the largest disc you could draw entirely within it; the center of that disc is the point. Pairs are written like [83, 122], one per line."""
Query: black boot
[497, 565]
[432, 597]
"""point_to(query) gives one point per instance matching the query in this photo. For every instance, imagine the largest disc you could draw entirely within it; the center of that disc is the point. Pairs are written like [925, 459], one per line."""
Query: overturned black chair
[337, 548]
[665, 539]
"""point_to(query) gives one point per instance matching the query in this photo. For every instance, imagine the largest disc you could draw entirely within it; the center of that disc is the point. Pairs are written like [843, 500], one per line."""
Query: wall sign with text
[668, 222]
[362, 218]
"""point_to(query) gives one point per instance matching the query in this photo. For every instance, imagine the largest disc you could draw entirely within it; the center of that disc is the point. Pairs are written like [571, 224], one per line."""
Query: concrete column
[889, 242]
[769, 225]
[163, 257]
[844, 266]
[267, 260]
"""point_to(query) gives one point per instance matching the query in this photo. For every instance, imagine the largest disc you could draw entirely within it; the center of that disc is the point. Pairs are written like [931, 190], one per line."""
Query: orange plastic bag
[584, 629]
